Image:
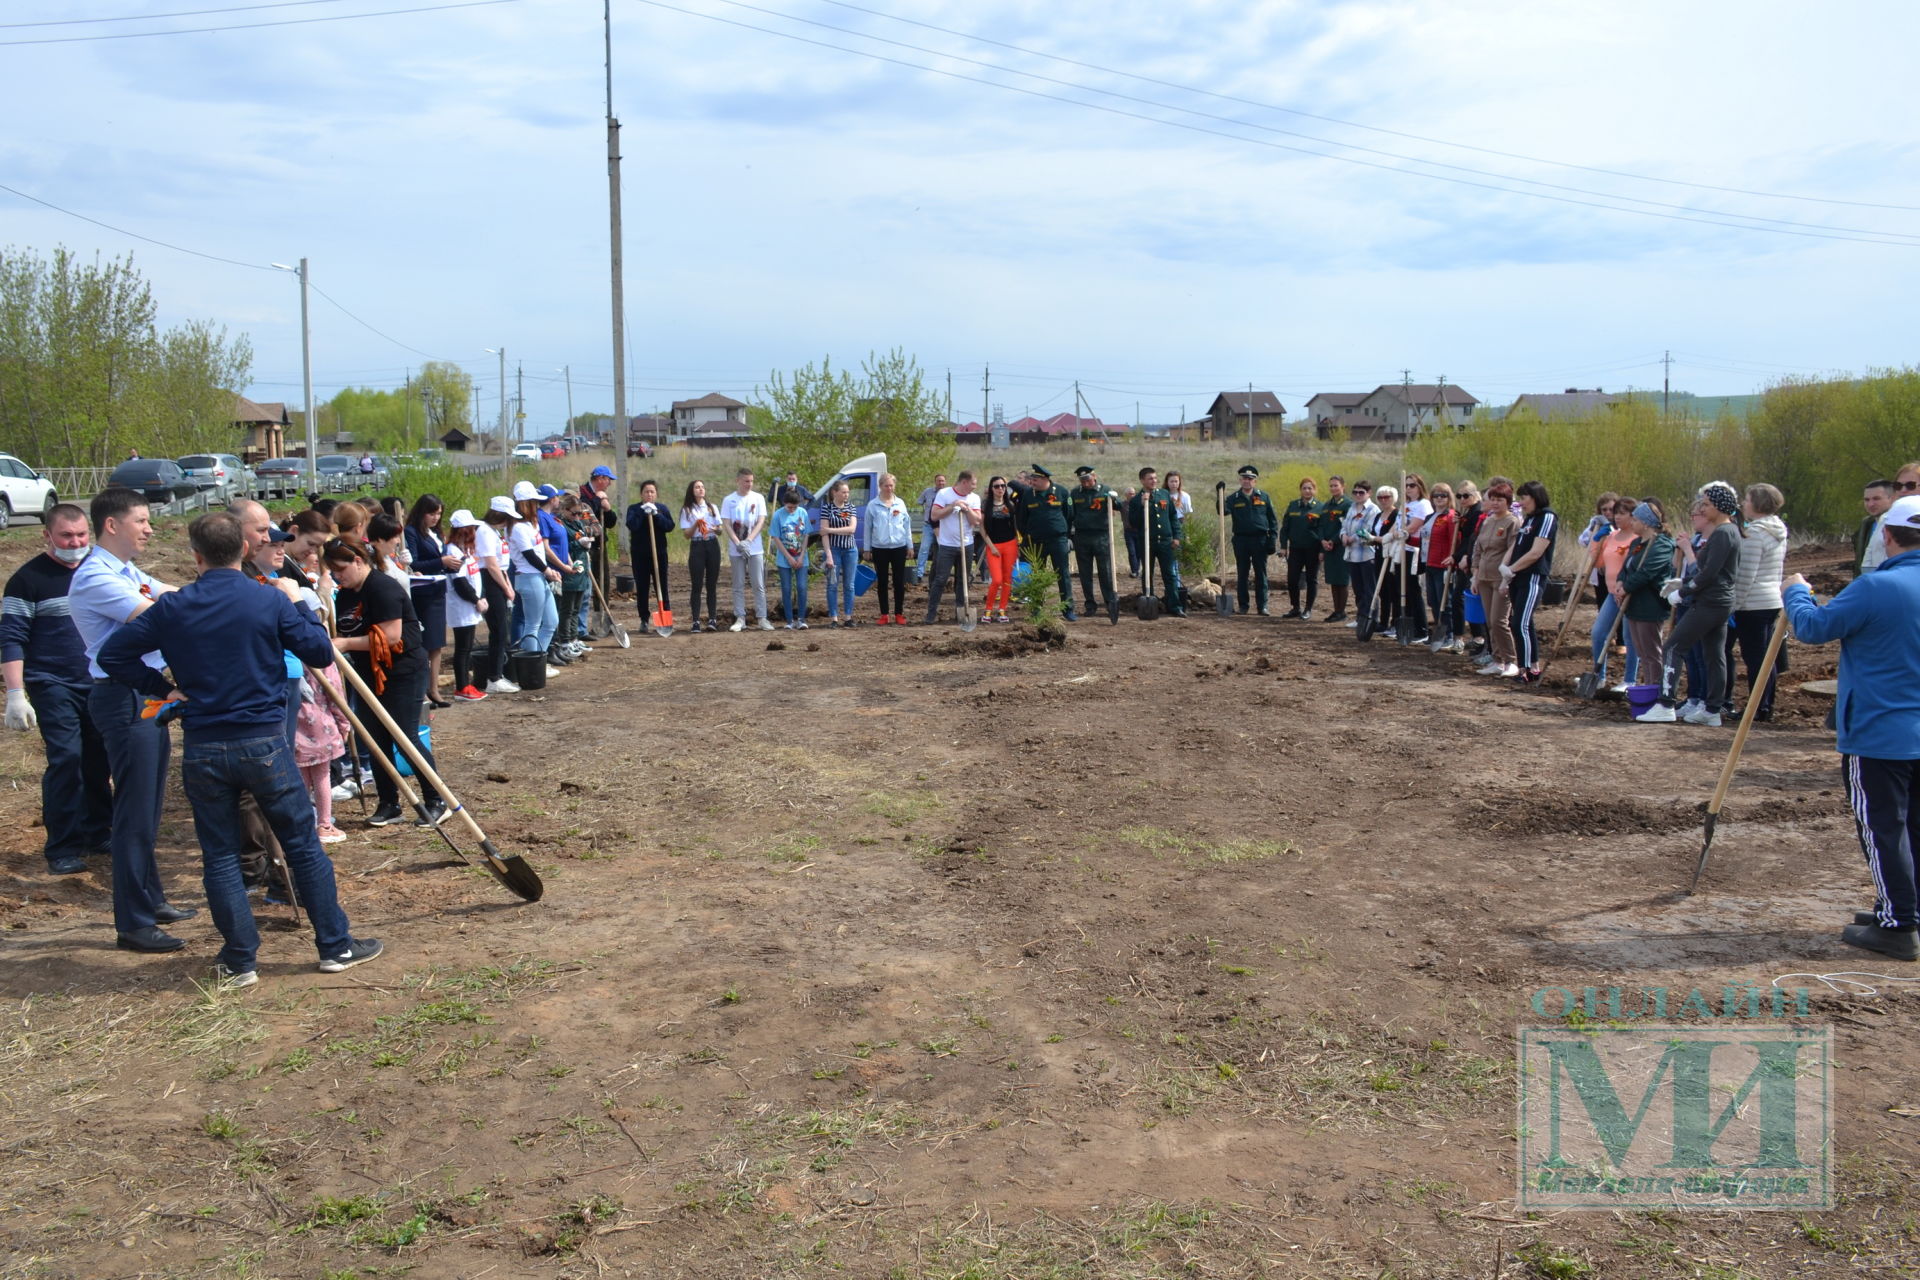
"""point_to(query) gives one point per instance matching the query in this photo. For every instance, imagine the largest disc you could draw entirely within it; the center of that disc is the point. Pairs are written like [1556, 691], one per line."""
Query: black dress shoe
[151, 939]
[67, 866]
[1901, 944]
[167, 913]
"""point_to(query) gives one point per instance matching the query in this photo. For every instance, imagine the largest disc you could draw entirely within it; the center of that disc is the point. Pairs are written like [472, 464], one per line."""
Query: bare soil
[1181, 948]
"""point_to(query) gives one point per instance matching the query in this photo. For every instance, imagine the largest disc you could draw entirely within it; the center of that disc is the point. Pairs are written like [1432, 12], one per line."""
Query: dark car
[338, 472]
[160, 479]
[281, 476]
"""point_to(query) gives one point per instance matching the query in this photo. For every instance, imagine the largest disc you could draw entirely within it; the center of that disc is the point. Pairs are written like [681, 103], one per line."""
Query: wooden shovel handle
[1746, 716]
[411, 750]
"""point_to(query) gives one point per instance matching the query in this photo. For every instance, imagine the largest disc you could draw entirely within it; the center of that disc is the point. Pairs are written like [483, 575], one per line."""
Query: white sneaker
[1690, 706]
[1658, 713]
[739, 624]
[764, 625]
[502, 685]
[1711, 719]
[233, 979]
[1509, 671]
[348, 790]
[552, 672]
[789, 626]
[1355, 623]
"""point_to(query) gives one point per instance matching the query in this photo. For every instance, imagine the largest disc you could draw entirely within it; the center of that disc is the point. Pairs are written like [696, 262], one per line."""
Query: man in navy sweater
[45, 667]
[1877, 713]
[222, 638]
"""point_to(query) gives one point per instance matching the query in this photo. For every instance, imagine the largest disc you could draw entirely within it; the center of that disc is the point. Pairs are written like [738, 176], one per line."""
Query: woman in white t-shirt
[1177, 490]
[496, 588]
[536, 615]
[1415, 511]
[466, 601]
[700, 525]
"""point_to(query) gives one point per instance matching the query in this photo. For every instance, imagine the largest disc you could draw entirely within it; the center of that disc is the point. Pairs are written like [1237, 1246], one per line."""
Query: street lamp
[506, 450]
[306, 377]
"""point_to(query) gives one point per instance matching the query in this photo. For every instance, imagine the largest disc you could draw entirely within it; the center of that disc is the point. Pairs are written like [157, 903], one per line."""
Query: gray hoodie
[1712, 585]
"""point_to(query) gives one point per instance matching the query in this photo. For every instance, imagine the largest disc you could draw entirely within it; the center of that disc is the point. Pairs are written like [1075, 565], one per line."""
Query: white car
[23, 492]
[527, 452]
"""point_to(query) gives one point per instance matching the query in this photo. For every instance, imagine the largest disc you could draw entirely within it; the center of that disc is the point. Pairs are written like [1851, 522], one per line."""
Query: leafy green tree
[818, 418]
[86, 376]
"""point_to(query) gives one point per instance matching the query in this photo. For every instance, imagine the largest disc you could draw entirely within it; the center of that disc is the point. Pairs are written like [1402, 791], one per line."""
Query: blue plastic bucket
[1021, 572]
[426, 744]
[1476, 611]
[862, 578]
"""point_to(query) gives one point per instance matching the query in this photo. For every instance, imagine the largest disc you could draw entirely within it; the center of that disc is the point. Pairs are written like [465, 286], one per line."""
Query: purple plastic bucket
[1642, 696]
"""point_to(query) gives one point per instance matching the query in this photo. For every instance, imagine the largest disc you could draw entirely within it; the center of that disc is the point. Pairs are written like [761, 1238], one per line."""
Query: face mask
[70, 555]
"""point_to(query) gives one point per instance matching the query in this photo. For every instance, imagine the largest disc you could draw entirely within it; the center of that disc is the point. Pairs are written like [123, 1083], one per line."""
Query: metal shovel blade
[1224, 605]
[620, 636]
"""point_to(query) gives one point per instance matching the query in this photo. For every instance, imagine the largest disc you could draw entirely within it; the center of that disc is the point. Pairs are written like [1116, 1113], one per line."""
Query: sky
[1160, 200]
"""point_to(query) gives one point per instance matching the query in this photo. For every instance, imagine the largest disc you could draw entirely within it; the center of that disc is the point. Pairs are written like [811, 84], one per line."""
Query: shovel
[511, 870]
[1148, 607]
[1113, 587]
[614, 629]
[1223, 605]
[662, 616]
[967, 616]
[1759, 683]
[1370, 619]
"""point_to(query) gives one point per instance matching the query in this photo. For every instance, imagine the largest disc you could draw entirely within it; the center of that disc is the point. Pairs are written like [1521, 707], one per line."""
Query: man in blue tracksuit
[223, 638]
[1876, 619]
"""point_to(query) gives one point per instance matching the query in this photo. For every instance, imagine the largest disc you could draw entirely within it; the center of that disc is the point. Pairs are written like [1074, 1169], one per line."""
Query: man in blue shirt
[107, 593]
[1876, 619]
[45, 667]
[224, 638]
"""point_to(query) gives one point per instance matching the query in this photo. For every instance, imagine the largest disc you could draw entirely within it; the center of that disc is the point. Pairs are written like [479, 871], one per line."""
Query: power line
[369, 328]
[254, 26]
[210, 257]
[1308, 137]
[1354, 124]
[1874, 238]
[155, 17]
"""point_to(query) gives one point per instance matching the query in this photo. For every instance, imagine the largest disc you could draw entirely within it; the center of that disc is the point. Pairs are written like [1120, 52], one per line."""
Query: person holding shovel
[1490, 547]
[1255, 526]
[1356, 554]
[648, 524]
[1088, 505]
[1877, 715]
[1707, 598]
[222, 638]
[956, 515]
[1159, 515]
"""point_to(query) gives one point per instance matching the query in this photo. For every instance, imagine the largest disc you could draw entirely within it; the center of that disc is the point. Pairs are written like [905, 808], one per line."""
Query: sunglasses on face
[1909, 486]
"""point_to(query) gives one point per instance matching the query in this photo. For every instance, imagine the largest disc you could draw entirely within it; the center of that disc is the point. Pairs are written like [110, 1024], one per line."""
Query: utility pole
[1441, 392]
[1249, 415]
[506, 447]
[1406, 397]
[616, 266]
[1666, 382]
[426, 411]
[519, 402]
[568, 370]
[986, 395]
[306, 376]
[950, 397]
[406, 401]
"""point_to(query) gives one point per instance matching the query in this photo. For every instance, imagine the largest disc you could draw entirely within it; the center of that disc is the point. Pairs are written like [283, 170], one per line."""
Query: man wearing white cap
[1877, 713]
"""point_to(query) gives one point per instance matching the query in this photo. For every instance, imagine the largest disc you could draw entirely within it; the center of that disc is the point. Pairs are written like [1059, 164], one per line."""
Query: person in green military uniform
[1088, 506]
[1159, 515]
[1300, 528]
[1334, 560]
[1255, 525]
[1043, 521]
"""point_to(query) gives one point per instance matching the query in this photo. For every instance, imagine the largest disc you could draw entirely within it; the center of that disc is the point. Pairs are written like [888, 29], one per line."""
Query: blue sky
[444, 171]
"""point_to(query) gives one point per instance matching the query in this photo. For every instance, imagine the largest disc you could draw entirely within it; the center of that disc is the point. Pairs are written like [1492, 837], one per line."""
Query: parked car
[222, 475]
[528, 452]
[430, 456]
[281, 477]
[338, 472]
[160, 479]
[639, 449]
[553, 449]
[23, 492]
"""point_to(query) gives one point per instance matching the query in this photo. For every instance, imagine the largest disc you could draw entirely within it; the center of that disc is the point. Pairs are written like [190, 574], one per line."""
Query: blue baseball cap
[276, 534]
[548, 491]
[601, 471]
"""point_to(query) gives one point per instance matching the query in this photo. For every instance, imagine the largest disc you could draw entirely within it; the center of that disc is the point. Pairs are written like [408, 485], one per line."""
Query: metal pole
[506, 449]
[519, 402]
[621, 426]
[306, 383]
[568, 370]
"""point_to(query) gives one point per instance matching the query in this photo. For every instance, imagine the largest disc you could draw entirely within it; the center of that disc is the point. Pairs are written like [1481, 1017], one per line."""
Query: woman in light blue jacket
[890, 541]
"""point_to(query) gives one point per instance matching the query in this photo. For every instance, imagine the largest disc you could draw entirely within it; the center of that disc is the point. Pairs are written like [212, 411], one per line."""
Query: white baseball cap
[462, 519]
[525, 490]
[504, 505]
[1904, 513]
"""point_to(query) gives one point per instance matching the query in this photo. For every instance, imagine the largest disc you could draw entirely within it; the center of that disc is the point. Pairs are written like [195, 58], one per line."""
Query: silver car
[221, 476]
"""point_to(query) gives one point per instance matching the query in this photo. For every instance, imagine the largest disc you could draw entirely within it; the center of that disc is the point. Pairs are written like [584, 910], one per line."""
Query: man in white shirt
[744, 516]
[107, 593]
[956, 514]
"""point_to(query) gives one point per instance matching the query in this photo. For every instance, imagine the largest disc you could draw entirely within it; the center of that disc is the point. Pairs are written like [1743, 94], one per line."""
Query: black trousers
[643, 583]
[76, 787]
[499, 617]
[463, 656]
[1388, 580]
[703, 573]
[1095, 555]
[1752, 630]
[401, 699]
[1250, 565]
[1885, 798]
[1366, 579]
[1303, 565]
[890, 580]
[1414, 614]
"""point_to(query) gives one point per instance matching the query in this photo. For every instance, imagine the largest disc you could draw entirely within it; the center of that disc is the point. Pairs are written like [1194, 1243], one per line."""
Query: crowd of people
[100, 656]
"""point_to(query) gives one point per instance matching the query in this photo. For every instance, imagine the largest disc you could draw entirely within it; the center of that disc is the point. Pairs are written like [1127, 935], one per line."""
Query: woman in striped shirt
[837, 527]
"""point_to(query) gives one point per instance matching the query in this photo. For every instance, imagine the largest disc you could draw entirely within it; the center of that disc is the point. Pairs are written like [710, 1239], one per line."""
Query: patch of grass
[1549, 1263]
[330, 1212]
[1160, 841]
[941, 1046]
[730, 996]
[795, 849]
[1823, 1237]
[897, 809]
[399, 1237]
[221, 1126]
[296, 1060]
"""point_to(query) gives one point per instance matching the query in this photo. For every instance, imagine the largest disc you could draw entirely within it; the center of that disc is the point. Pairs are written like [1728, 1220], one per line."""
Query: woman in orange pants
[1003, 547]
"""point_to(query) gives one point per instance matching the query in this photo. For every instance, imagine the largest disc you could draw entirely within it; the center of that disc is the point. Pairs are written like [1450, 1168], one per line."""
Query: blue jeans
[137, 752]
[535, 615]
[926, 551]
[1603, 628]
[76, 788]
[844, 560]
[216, 774]
[793, 591]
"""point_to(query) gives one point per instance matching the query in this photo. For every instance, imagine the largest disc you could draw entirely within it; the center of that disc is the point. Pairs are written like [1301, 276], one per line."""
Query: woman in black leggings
[497, 589]
[700, 524]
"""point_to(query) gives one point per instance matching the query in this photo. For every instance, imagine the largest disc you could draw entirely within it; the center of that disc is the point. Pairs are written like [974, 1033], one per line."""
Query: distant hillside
[1740, 407]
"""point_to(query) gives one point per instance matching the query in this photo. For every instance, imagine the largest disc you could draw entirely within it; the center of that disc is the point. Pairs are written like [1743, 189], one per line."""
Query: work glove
[19, 711]
[1673, 597]
[649, 508]
[1506, 571]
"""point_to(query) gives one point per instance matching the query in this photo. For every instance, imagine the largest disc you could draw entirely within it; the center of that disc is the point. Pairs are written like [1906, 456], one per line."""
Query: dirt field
[1190, 948]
